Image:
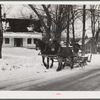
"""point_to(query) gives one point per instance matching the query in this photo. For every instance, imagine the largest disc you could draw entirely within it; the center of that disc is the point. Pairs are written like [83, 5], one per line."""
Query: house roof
[20, 25]
[86, 41]
[22, 35]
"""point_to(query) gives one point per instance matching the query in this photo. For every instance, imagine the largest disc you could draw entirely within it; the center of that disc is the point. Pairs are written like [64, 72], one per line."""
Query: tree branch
[41, 19]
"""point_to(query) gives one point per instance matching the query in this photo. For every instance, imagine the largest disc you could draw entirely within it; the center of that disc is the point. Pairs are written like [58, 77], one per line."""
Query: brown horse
[64, 54]
[45, 50]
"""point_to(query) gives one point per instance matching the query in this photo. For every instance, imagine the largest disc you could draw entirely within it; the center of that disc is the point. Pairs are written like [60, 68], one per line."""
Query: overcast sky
[17, 11]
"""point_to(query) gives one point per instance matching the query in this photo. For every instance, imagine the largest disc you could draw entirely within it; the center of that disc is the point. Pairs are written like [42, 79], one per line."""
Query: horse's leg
[72, 62]
[58, 69]
[43, 60]
[64, 64]
[59, 64]
[47, 63]
[52, 63]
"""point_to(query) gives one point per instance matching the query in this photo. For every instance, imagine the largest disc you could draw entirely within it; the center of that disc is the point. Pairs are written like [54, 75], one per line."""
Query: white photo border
[50, 94]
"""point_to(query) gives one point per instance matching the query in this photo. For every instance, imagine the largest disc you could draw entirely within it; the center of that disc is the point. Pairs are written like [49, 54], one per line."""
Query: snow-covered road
[22, 69]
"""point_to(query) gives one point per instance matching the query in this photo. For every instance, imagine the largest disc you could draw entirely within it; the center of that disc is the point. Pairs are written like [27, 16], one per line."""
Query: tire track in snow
[63, 83]
[41, 83]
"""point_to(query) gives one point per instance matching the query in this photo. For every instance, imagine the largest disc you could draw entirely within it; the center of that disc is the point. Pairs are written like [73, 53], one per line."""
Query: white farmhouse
[20, 39]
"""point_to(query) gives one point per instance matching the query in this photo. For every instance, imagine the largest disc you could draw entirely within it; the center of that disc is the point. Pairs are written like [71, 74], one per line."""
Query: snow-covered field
[17, 62]
[21, 63]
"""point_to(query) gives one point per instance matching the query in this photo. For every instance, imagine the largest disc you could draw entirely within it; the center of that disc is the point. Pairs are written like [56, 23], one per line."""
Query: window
[29, 41]
[7, 41]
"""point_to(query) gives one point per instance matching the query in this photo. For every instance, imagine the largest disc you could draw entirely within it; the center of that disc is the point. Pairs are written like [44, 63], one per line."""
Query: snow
[23, 34]
[21, 59]
[22, 64]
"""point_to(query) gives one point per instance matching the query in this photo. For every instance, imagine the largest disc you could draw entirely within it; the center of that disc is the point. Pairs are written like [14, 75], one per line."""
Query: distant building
[88, 45]
[20, 39]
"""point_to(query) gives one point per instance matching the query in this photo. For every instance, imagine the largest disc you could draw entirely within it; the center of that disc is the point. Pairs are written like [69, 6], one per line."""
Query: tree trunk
[47, 24]
[58, 35]
[94, 45]
[73, 29]
[58, 31]
[83, 35]
[95, 41]
[48, 35]
[1, 34]
[67, 40]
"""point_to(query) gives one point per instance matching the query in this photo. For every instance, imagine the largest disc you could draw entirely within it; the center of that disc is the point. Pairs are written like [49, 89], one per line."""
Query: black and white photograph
[49, 47]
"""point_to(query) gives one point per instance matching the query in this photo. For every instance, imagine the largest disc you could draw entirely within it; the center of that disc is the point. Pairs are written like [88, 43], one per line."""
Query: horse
[64, 54]
[45, 50]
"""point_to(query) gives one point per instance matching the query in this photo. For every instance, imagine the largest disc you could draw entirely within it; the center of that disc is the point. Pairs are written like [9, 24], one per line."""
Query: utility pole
[1, 33]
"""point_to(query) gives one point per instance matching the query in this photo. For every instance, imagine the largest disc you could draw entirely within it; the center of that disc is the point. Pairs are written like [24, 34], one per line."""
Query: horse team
[53, 50]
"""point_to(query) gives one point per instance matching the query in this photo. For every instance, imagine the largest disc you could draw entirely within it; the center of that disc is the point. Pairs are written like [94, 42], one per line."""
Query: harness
[44, 49]
[59, 50]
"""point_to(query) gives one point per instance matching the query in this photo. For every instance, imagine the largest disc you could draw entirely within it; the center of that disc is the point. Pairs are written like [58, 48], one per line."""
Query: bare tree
[58, 18]
[62, 21]
[92, 10]
[64, 17]
[6, 9]
[45, 19]
[83, 35]
[58, 15]
[68, 24]
[1, 33]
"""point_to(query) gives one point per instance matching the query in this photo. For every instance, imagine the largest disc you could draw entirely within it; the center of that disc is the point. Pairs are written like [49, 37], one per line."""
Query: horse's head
[38, 44]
